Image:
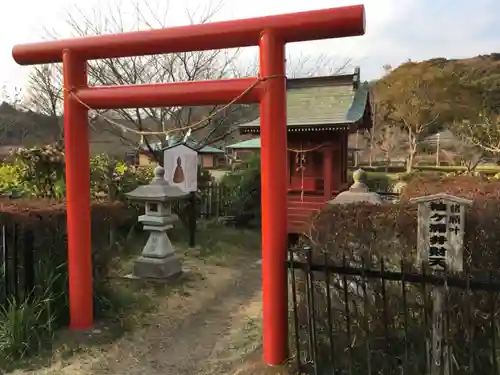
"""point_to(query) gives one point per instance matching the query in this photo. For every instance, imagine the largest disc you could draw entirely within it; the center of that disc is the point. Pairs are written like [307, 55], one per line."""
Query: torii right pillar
[274, 198]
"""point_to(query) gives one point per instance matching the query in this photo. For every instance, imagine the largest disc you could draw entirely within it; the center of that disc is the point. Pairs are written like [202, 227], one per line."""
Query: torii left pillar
[76, 140]
[270, 34]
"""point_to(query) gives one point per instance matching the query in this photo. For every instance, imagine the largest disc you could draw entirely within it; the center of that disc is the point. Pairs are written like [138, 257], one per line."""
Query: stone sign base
[157, 268]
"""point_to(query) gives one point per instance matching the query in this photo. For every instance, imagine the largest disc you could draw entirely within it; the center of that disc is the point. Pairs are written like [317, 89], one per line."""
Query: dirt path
[210, 328]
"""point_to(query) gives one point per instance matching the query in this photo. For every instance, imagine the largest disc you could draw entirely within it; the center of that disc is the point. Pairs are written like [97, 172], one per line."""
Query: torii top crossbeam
[295, 27]
[269, 89]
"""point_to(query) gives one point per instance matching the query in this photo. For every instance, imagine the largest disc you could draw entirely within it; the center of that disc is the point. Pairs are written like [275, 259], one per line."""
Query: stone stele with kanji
[441, 225]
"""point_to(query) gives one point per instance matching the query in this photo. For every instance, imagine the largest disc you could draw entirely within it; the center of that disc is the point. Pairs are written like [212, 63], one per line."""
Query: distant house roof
[253, 143]
[446, 138]
[210, 150]
[333, 102]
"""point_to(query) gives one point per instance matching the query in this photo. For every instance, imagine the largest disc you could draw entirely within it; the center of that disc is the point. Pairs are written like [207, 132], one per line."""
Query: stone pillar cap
[358, 192]
[359, 185]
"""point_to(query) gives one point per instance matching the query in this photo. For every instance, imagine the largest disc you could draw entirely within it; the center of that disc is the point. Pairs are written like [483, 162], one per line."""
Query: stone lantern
[358, 192]
[158, 259]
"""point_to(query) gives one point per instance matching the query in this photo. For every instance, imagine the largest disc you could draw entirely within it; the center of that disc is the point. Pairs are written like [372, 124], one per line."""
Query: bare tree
[45, 93]
[298, 66]
[46, 82]
[377, 117]
[377, 121]
[414, 132]
[408, 98]
[484, 133]
[14, 128]
[389, 139]
[465, 155]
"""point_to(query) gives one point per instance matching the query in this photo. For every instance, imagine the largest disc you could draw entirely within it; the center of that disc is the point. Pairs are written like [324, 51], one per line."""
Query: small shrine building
[321, 113]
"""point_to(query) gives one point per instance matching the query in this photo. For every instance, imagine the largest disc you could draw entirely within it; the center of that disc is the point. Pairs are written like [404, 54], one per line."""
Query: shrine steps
[301, 209]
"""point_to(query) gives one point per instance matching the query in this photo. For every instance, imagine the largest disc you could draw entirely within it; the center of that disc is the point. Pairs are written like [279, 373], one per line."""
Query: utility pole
[438, 141]
[356, 156]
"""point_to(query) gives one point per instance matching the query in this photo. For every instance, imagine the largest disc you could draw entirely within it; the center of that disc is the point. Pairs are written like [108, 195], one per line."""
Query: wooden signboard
[440, 243]
[440, 234]
[181, 167]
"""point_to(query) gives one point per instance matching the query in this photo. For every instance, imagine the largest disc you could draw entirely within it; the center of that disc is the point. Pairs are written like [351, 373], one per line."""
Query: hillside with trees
[418, 99]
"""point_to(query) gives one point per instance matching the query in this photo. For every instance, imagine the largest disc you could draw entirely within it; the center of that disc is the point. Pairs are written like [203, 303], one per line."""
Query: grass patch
[121, 305]
[222, 245]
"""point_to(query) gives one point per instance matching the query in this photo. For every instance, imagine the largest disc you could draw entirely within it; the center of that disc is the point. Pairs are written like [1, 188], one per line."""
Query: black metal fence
[17, 265]
[376, 316]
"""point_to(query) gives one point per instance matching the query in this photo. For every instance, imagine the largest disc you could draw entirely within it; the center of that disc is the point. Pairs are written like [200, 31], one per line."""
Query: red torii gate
[270, 34]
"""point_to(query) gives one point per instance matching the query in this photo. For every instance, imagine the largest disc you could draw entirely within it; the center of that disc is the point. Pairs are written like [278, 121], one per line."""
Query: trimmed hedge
[429, 168]
[27, 321]
[470, 187]
[384, 169]
[366, 234]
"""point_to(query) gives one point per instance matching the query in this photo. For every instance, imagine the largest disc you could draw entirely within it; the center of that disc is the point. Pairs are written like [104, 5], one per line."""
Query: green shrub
[27, 325]
[11, 178]
[38, 172]
[244, 193]
[42, 170]
[113, 178]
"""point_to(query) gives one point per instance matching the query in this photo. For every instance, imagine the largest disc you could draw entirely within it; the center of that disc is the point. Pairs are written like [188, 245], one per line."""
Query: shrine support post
[274, 197]
[270, 34]
[76, 139]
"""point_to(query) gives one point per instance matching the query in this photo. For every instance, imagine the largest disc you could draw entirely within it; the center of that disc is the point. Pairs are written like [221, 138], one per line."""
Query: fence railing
[214, 200]
[376, 316]
[17, 264]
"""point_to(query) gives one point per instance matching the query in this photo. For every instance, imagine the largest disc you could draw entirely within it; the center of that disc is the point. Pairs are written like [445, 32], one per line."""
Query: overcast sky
[397, 30]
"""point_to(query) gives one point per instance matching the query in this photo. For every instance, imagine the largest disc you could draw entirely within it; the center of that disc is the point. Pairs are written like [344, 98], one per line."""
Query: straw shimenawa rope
[191, 127]
[301, 162]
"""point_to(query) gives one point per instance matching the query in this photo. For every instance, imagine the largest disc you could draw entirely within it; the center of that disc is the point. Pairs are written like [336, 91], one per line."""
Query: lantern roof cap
[158, 190]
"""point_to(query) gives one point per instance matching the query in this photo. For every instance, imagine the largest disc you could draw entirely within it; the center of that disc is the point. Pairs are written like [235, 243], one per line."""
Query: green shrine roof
[210, 150]
[250, 143]
[334, 101]
[254, 143]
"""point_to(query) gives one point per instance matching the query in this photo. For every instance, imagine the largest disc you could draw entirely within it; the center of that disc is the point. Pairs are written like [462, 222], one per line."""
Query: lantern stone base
[157, 268]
